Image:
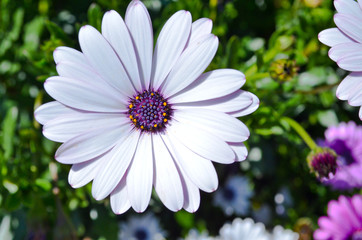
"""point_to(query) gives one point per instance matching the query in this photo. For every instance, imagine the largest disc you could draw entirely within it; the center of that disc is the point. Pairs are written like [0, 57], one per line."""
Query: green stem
[257, 76]
[302, 133]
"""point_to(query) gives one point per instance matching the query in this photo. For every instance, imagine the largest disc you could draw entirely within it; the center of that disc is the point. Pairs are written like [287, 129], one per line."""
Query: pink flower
[344, 220]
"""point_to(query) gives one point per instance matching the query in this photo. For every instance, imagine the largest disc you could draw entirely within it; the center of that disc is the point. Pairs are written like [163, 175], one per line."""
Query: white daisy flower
[196, 235]
[244, 230]
[346, 51]
[132, 118]
[235, 196]
[279, 233]
[146, 227]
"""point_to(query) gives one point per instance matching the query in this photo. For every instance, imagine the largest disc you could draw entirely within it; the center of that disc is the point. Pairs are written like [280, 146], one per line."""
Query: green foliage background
[253, 34]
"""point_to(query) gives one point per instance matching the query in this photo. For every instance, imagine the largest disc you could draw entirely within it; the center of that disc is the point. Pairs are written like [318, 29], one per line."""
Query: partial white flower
[235, 196]
[145, 227]
[346, 51]
[279, 233]
[196, 235]
[5, 231]
[132, 118]
[244, 230]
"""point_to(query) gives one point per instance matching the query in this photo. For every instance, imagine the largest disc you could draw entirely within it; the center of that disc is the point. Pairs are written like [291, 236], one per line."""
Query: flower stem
[301, 132]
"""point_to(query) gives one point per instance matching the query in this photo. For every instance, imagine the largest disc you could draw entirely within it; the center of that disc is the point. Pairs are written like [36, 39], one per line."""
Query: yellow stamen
[165, 120]
[152, 94]
[155, 125]
[164, 114]
[130, 116]
[131, 105]
[164, 103]
[137, 97]
[142, 127]
[134, 120]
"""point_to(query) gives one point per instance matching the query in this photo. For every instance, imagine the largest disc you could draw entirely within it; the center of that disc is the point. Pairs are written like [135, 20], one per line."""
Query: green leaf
[185, 219]
[9, 125]
[32, 32]
[95, 16]
[44, 184]
[57, 32]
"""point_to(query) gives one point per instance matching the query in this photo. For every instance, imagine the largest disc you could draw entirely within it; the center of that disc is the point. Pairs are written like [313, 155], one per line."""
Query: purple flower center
[149, 111]
[344, 152]
[141, 234]
[324, 163]
[228, 193]
[357, 235]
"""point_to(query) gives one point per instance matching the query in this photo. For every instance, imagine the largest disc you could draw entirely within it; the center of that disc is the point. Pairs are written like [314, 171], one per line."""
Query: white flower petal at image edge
[132, 118]
[243, 229]
[279, 233]
[346, 49]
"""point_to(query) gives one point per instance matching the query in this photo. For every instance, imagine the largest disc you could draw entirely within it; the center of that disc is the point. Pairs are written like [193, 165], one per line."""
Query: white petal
[351, 60]
[51, 110]
[241, 152]
[348, 7]
[104, 60]
[140, 26]
[213, 84]
[200, 27]
[360, 113]
[140, 174]
[116, 32]
[349, 25]
[81, 95]
[201, 142]
[65, 127]
[119, 198]
[200, 170]
[192, 62]
[337, 51]
[218, 123]
[114, 169]
[87, 74]
[355, 97]
[166, 177]
[81, 174]
[61, 54]
[170, 44]
[360, 4]
[348, 84]
[333, 36]
[230, 103]
[249, 109]
[89, 145]
[344, 49]
[191, 193]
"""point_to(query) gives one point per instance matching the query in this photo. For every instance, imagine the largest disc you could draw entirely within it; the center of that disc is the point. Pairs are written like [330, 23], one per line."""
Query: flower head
[195, 235]
[131, 117]
[283, 70]
[346, 141]
[279, 233]
[244, 230]
[346, 51]
[235, 196]
[141, 228]
[344, 220]
[323, 163]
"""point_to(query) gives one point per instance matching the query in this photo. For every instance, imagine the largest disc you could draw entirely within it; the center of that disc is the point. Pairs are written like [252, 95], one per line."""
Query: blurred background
[273, 42]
